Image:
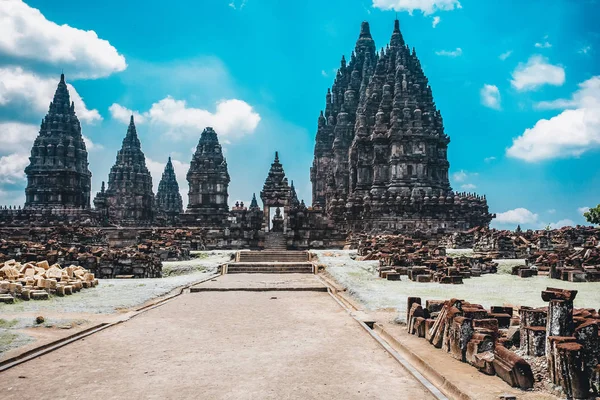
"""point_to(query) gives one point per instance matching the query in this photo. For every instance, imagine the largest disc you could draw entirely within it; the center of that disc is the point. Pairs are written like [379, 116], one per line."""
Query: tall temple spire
[51, 159]
[168, 198]
[208, 180]
[129, 199]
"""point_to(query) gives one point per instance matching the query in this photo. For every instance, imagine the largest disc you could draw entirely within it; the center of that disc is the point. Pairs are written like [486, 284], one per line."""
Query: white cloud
[551, 211]
[585, 50]
[237, 5]
[537, 72]
[505, 55]
[12, 167]
[468, 186]
[453, 53]
[232, 119]
[560, 224]
[489, 159]
[436, 21]
[17, 137]
[490, 96]
[544, 45]
[459, 176]
[91, 146]
[516, 216]
[582, 210]
[157, 168]
[463, 175]
[27, 35]
[587, 96]
[26, 95]
[425, 6]
[569, 134]
[124, 114]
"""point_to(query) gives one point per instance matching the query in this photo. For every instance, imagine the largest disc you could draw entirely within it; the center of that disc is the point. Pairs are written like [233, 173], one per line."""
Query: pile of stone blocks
[573, 264]
[472, 334]
[566, 339]
[37, 281]
[421, 260]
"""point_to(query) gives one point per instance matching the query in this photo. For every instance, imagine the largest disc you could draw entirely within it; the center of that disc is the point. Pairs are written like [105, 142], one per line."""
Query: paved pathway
[222, 345]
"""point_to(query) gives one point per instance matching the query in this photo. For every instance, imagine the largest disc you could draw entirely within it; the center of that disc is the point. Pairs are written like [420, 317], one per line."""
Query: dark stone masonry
[380, 166]
[381, 151]
[58, 174]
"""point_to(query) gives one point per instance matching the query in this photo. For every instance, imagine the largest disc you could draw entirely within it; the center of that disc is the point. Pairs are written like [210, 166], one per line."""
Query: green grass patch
[6, 324]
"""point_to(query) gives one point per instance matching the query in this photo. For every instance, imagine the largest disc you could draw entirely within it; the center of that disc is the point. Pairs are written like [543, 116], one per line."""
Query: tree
[593, 215]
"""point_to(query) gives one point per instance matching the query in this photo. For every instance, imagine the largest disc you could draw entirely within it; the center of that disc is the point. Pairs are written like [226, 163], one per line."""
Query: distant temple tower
[168, 199]
[208, 180]
[129, 199]
[380, 159]
[276, 194]
[58, 174]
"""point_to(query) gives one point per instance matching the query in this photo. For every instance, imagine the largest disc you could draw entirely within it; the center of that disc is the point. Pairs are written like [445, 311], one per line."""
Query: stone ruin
[380, 165]
[529, 347]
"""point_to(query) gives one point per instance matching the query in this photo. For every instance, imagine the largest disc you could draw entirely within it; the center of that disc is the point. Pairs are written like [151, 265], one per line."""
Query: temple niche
[169, 204]
[128, 200]
[208, 180]
[57, 175]
[380, 159]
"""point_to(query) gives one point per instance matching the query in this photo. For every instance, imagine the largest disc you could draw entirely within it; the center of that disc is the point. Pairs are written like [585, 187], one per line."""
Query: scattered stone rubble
[561, 343]
[420, 260]
[38, 280]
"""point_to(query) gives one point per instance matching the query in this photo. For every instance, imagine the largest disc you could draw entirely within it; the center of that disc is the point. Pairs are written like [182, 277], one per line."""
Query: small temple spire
[276, 156]
[365, 30]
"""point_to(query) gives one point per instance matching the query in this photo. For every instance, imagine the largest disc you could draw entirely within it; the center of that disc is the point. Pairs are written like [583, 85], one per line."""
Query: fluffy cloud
[436, 20]
[489, 159]
[468, 186]
[490, 96]
[25, 34]
[582, 210]
[123, 114]
[516, 216]
[25, 96]
[569, 134]
[560, 224]
[544, 45]
[453, 53]
[536, 73]
[12, 168]
[233, 118]
[425, 6]
[505, 55]
[463, 175]
[17, 137]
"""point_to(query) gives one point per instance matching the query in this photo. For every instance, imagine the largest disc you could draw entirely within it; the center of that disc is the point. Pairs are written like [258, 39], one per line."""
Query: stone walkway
[222, 345]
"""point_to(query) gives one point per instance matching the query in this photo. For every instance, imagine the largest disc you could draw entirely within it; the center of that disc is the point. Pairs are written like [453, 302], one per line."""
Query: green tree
[593, 215]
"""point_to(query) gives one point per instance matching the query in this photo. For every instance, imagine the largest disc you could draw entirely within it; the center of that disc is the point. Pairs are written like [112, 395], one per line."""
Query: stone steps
[275, 241]
[273, 256]
[270, 268]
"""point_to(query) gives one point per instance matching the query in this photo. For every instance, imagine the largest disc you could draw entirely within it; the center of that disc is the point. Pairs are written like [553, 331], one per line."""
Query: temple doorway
[276, 217]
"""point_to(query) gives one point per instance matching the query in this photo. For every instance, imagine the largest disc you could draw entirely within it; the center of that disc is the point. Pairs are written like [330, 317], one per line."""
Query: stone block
[513, 369]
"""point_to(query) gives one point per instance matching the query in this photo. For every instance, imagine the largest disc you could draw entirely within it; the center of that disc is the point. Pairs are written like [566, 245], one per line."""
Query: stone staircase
[270, 262]
[275, 241]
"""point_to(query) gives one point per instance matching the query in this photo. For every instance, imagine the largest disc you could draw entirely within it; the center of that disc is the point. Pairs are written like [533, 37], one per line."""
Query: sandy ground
[65, 315]
[262, 282]
[222, 345]
[494, 289]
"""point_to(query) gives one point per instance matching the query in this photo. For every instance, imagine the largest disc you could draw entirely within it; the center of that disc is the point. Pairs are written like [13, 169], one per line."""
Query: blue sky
[517, 82]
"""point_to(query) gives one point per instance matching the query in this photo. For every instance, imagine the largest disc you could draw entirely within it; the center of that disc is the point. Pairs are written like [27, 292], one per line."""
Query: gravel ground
[493, 289]
[113, 294]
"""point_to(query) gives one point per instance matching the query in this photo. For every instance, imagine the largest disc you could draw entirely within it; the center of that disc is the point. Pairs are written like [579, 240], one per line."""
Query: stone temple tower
[208, 180]
[128, 200]
[380, 160]
[58, 174]
[168, 198]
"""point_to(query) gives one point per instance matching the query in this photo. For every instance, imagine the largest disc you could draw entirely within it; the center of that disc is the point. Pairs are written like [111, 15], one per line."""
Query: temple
[57, 175]
[380, 159]
[128, 200]
[380, 166]
[169, 204]
[208, 180]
